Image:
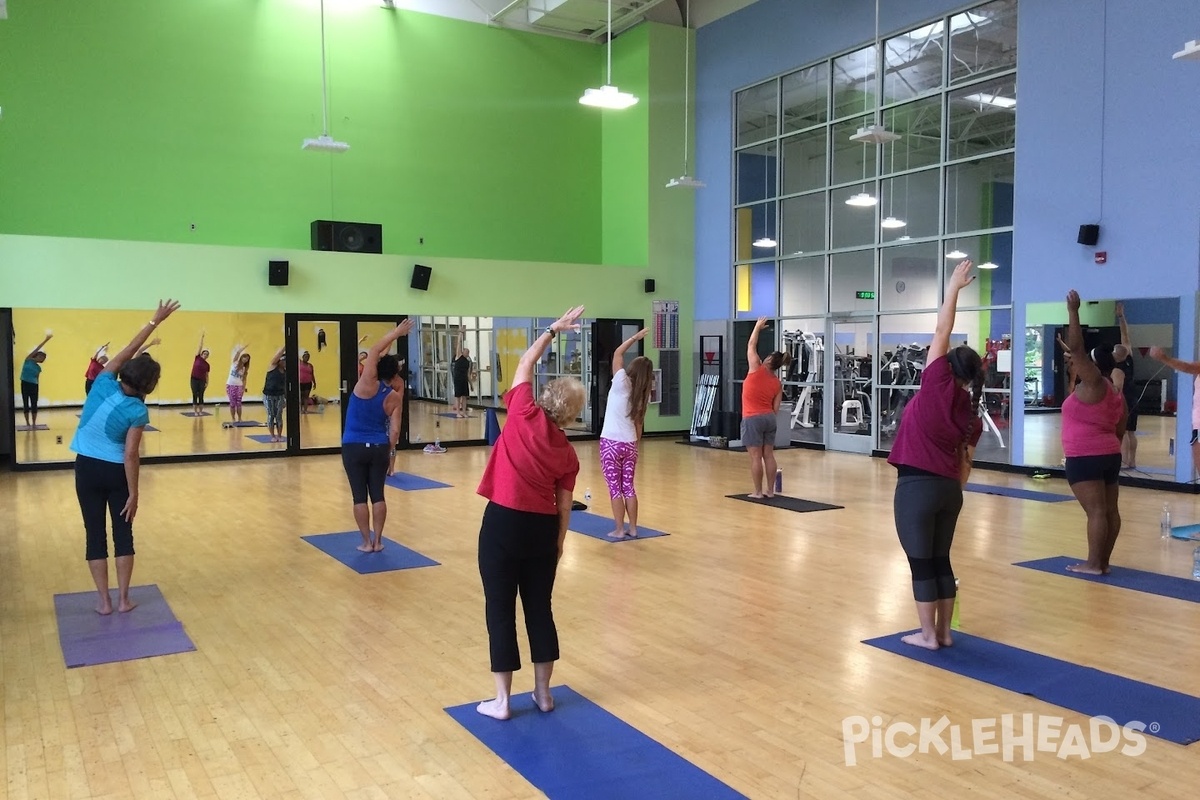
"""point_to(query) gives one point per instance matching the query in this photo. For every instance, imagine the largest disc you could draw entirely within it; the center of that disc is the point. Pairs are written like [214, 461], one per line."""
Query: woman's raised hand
[637, 337]
[962, 276]
[165, 309]
[1072, 300]
[568, 321]
[405, 328]
[761, 323]
[1156, 353]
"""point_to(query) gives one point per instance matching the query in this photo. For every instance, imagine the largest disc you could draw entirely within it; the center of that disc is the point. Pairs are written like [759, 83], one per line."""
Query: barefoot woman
[624, 415]
[932, 455]
[528, 483]
[761, 394]
[373, 421]
[1093, 424]
[108, 463]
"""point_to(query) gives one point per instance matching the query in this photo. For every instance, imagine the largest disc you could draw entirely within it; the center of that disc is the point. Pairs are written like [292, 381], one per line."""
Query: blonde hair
[562, 399]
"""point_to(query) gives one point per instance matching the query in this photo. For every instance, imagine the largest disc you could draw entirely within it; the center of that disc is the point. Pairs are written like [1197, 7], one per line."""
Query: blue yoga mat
[455, 416]
[1124, 578]
[1168, 714]
[261, 438]
[1020, 494]
[599, 527]
[394, 556]
[580, 751]
[1189, 532]
[194, 414]
[87, 638]
[412, 483]
[244, 424]
[38, 427]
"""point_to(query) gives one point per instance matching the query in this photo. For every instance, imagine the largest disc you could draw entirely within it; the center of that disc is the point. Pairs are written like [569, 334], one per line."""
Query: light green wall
[134, 120]
[625, 158]
[1102, 314]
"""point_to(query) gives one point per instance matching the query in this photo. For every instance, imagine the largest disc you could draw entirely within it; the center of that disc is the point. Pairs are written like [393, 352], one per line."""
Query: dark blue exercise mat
[783, 501]
[1020, 494]
[599, 527]
[194, 414]
[581, 752]
[1189, 532]
[246, 423]
[38, 427]
[393, 556]
[263, 438]
[1167, 714]
[1123, 578]
[412, 483]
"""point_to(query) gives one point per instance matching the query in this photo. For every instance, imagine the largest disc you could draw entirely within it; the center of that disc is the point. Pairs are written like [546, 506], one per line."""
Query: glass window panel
[803, 224]
[756, 289]
[983, 40]
[983, 118]
[757, 113]
[913, 63]
[854, 82]
[911, 199]
[806, 97]
[804, 378]
[920, 125]
[993, 287]
[802, 286]
[851, 160]
[852, 225]
[979, 194]
[908, 277]
[755, 229]
[850, 274]
[804, 161]
[904, 340]
[756, 173]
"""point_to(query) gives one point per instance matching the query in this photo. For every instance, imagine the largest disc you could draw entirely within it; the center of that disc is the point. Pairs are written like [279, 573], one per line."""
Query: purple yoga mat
[87, 638]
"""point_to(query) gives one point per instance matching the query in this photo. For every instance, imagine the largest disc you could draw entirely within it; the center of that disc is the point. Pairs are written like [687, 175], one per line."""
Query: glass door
[606, 335]
[849, 382]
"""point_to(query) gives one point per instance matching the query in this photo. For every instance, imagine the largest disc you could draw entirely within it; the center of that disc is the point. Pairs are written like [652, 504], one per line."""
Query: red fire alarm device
[1101, 257]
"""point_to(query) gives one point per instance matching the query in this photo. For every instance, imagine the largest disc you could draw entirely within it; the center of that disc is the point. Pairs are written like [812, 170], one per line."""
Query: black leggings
[926, 509]
[366, 469]
[198, 387]
[518, 553]
[99, 485]
[29, 396]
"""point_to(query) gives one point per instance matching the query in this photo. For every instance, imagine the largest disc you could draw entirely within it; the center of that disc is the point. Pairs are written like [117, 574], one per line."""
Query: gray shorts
[759, 430]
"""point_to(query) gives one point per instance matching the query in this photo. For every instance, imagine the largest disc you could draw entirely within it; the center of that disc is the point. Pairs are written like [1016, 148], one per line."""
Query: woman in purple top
[932, 455]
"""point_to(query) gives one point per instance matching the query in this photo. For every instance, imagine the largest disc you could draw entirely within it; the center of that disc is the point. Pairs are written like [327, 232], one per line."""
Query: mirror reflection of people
[933, 451]
[528, 482]
[307, 379]
[1189, 368]
[199, 378]
[1122, 379]
[362, 355]
[460, 374]
[762, 392]
[624, 416]
[1072, 375]
[95, 367]
[1093, 425]
[274, 395]
[108, 462]
[31, 373]
[235, 384]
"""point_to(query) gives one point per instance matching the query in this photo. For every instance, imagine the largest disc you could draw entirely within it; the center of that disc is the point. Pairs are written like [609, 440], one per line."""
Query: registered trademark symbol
[1155, 727]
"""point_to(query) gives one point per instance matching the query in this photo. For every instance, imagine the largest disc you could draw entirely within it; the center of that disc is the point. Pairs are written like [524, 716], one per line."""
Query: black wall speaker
[347, 237]
[277, 273]
[420, 278]
[1089, 234]
[649, 285]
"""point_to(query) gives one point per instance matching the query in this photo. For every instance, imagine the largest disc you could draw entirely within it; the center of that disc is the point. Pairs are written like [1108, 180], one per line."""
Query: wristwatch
[550, 331]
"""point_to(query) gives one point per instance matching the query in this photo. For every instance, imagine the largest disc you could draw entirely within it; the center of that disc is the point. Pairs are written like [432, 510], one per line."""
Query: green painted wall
[625, 159]
[135, 120]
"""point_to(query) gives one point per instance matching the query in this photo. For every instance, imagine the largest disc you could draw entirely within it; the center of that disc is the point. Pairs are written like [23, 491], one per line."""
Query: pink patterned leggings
[234, 393]
[618, 460]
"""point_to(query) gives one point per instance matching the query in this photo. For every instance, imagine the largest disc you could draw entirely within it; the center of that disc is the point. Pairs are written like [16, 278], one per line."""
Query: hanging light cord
[609, 81]
[687, 57]
[324, 77]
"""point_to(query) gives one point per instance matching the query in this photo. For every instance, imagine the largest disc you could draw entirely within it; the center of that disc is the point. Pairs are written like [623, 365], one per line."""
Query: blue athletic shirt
[30, 371]
[366, 422]
[108, 414]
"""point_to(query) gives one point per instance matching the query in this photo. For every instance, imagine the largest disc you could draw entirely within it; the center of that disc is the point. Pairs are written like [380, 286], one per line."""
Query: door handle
[343, 387]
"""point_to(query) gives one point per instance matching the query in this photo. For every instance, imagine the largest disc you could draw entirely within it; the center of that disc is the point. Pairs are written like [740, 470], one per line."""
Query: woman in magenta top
[1093, 424]
[932, 455]
[95, 367]
[528, 482]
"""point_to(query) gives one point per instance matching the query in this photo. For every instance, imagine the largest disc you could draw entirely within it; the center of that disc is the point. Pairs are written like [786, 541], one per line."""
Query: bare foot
[546, 705]
[945, 640]
[378, 547]
[126, 605]
[755, 496]
[365, 548]
[769, 495]
[1085, 569]
[496, 709]
[105, 608]
[918, 639]
[632, 532]
[617, 533]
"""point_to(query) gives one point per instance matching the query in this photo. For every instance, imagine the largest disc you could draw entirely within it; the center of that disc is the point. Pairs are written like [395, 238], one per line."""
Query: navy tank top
[366, 421]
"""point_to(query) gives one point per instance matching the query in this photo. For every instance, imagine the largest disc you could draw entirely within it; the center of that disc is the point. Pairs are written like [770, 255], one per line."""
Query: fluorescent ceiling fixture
[765, 241]
[892, 222]
[685, 182]
[956, 253]
[959, 22]
[874, 134]
[1190, 51]
[325, 143]
[997, 100]
[607, 97]
[861, 200]
[989, 265]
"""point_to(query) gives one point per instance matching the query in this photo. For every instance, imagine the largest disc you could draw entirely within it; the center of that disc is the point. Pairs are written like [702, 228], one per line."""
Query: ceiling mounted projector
[874, 134]
[325, 143]
[685, 182]
[1190, 51]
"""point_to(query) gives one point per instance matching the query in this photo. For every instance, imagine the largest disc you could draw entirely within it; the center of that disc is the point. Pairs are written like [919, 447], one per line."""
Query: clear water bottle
[1196, 563]
[587, 494]
[1164, 522]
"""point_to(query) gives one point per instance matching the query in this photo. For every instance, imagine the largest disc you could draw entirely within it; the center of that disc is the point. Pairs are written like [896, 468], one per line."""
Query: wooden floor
[734, 642]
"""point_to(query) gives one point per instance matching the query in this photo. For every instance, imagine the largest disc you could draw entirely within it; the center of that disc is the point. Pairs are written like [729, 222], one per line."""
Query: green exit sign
[865, 295]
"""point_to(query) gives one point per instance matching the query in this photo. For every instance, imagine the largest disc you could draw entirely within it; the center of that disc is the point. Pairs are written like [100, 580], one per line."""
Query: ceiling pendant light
[956, 253]
[1190, 51]
[861, 200]
[892, 223]
[989, 265]
[765, 241]
[608, 95]
[875, 133]
[324, 143]
[686, 181]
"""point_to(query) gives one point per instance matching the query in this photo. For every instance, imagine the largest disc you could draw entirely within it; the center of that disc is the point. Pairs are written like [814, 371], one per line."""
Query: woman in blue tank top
[373, 419]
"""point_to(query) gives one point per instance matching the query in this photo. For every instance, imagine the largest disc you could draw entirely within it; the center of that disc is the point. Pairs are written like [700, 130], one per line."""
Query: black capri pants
[518, 554]
[29, 395]
[198, 386]
[366, 469]
[100, 485]
[926, 509]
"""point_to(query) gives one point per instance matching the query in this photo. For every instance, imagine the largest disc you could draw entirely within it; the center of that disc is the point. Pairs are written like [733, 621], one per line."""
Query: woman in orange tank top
[761, 395]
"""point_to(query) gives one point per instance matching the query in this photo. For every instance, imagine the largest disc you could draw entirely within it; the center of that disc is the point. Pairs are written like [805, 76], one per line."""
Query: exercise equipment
[706, 397]
[808, 367]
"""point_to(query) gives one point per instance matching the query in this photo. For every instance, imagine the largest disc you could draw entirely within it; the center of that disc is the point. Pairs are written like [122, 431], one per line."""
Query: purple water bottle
[778, 481]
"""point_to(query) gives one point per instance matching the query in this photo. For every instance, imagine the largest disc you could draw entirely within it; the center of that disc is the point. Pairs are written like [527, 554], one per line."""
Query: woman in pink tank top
[1093, 424]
